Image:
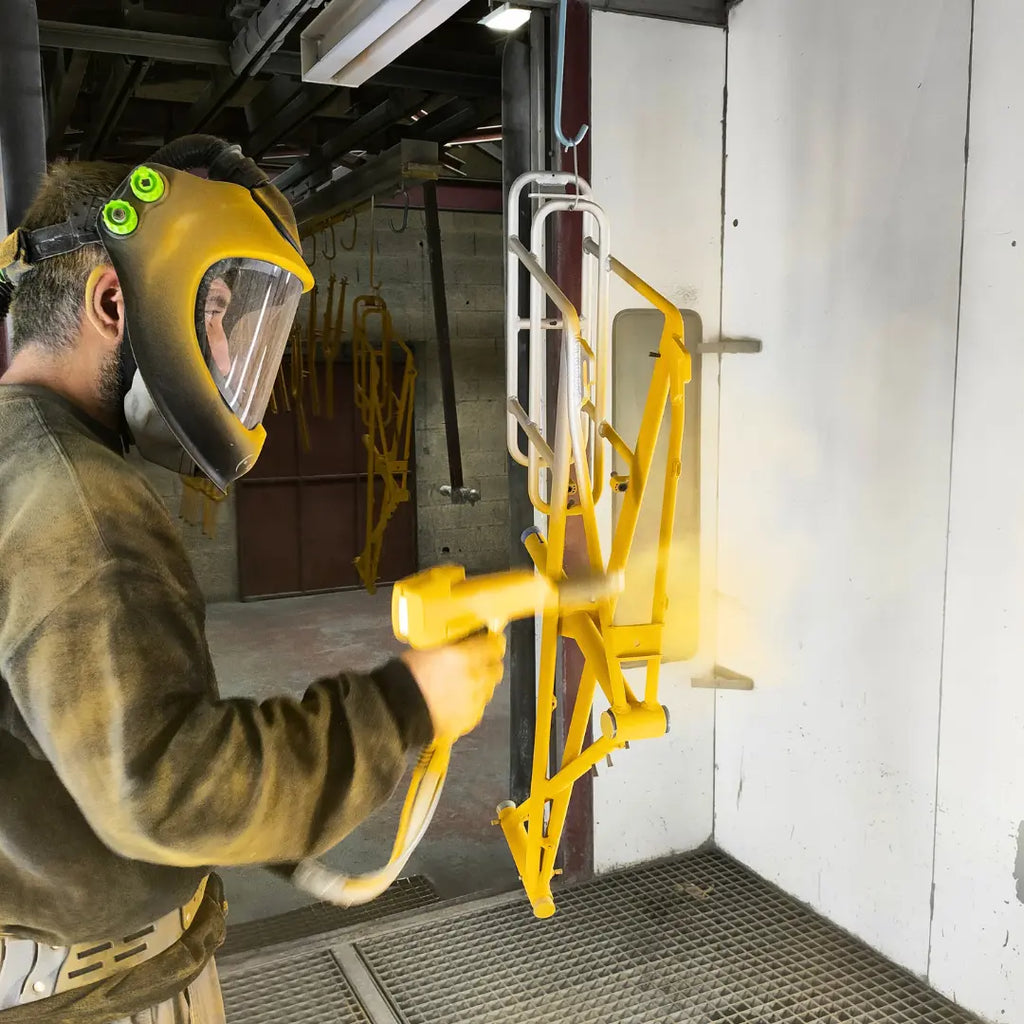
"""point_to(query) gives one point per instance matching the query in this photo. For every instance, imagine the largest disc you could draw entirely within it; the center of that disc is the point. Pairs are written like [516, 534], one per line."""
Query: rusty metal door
[302, 514]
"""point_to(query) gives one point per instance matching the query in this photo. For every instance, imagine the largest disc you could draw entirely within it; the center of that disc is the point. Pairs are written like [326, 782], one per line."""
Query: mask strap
[57, 239]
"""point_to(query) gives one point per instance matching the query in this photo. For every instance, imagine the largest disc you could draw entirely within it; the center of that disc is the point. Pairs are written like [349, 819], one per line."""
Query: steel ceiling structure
[121, 77]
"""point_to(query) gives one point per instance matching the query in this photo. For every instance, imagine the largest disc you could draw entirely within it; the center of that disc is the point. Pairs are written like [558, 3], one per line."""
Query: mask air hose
[220, 159]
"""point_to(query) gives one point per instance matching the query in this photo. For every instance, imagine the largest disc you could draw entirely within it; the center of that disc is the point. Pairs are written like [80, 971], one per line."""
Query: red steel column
[578, 837]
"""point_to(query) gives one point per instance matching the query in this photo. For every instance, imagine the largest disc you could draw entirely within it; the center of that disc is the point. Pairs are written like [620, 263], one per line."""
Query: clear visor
[244, 312]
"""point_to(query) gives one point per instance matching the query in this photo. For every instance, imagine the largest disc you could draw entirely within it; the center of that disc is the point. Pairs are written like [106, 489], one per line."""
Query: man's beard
[110, 389]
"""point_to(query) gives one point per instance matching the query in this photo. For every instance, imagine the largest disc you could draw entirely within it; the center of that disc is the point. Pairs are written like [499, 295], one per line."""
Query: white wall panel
[844, 190]
[656, 98]
[978, 927]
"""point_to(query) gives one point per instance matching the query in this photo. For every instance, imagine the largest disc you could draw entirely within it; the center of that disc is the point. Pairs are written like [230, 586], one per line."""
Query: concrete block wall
[472, 247]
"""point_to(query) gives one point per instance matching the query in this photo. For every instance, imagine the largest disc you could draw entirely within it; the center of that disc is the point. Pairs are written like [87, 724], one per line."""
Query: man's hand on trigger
[458, 681]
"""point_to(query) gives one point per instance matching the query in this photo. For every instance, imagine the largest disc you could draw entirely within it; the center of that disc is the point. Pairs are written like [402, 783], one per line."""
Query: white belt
[30, 971]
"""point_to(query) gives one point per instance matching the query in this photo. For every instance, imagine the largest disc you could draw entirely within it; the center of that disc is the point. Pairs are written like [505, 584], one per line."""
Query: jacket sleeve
[116, 685]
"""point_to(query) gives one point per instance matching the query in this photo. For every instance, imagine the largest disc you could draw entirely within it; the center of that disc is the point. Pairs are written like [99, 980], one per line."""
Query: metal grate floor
[406, 894]
[308, 990]
[698, 940]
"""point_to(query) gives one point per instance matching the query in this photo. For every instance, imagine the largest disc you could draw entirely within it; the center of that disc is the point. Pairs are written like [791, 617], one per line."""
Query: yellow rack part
[387, 416]
[564, 481]
[200, 502]
[441, 605]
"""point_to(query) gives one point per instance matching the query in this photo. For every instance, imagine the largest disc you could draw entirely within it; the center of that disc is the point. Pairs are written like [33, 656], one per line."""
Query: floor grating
[406, 894]
[697, 940]
[310, 989]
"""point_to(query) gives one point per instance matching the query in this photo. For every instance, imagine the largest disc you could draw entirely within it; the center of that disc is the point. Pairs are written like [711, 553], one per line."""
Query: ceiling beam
[455, 119]
[311, 170]
[307, 100]
[492, 149]
[452, 83]
[130, 42]
[411, 162]
[125, 75]
[698, 12]
[134, 14]
[457, 195]
[216, 53]
[63, 94]
[260, 36]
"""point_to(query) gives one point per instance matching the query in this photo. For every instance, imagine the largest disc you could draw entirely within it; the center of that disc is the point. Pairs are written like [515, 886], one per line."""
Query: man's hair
[48, 302]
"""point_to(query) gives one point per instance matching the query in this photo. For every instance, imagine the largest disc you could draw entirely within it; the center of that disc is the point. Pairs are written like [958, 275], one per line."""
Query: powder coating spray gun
[433, 608]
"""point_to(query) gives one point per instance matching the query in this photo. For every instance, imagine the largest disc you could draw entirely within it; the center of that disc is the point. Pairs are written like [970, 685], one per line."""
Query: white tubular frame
[590, 400]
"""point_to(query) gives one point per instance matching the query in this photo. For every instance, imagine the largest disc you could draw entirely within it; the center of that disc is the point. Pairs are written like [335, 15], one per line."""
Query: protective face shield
[211, 271]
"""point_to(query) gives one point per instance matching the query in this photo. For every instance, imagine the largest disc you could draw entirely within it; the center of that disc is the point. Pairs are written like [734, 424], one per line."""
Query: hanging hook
[334, 246]
[566, 142]
[374, 285]
[355, 233]
[313, 239]
[405, 215]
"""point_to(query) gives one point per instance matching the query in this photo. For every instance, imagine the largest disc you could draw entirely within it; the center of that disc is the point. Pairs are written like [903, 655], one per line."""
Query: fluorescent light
[506, 18]
[351, 40]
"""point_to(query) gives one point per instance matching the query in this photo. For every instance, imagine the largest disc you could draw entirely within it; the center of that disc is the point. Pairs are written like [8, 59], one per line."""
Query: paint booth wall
[879, 759]
[843, 199]
[869, 525]
[656, 100]
[977, 948]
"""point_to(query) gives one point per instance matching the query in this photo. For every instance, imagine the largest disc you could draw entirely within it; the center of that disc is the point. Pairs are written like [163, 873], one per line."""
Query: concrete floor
[265, 648]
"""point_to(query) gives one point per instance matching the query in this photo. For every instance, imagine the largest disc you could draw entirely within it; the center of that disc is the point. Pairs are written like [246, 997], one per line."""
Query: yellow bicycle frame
[534, 828]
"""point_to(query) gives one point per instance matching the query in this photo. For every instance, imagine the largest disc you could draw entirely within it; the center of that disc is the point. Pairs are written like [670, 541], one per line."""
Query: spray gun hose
[421, 800]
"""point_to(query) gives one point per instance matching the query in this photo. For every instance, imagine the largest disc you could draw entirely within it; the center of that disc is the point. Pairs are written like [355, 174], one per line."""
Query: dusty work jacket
[123, 775]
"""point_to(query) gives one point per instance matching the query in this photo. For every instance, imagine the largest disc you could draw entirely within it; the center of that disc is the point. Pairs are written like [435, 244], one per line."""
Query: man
[123, 776]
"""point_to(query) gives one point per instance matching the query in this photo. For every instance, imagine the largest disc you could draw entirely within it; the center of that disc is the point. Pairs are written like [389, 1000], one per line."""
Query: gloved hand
[458, 681]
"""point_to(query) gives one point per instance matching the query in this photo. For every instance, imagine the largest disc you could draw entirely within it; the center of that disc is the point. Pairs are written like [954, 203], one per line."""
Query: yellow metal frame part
[200, 502]
[534, 828]
[387, 415]
[333, 318]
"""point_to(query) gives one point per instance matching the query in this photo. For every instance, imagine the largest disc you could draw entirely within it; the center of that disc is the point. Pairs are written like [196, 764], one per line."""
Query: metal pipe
[513, 286]
[22, 121]
[600, 341]
[444, 341]
[522, 100]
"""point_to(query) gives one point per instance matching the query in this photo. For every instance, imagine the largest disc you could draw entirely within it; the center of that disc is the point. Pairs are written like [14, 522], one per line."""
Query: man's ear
[104, 303]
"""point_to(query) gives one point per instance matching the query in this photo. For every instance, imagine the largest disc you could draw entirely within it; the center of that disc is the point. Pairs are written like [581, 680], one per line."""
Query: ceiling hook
[405, 215]
[334, 245]
[355, 233]
[374, 285]
[566, 142]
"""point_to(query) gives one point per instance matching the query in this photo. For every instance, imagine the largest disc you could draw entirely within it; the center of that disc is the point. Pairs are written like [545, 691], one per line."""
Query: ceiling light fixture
[506, 18]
